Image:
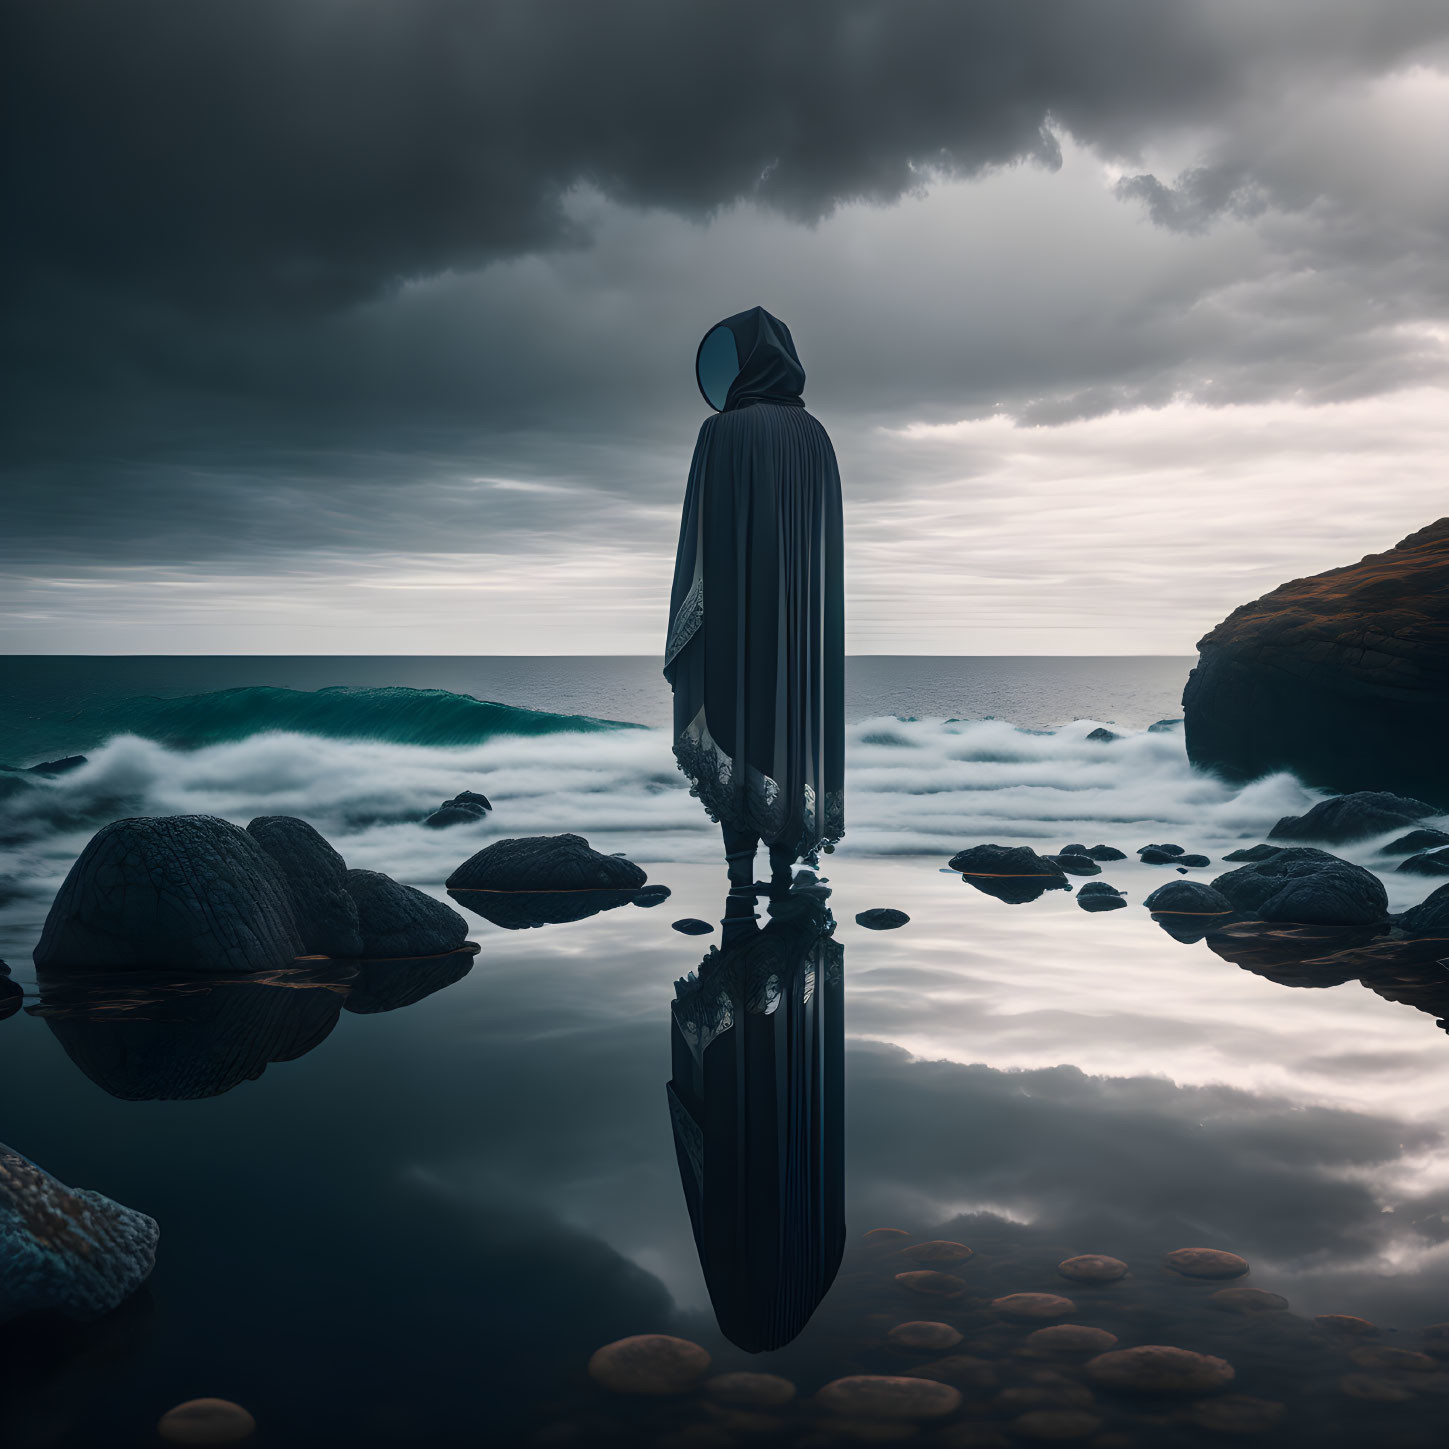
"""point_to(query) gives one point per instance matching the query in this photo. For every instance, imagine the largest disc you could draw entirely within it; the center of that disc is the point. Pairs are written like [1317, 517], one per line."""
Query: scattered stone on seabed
[1343, 819]
[66, 1250]
[924, 1335]
[752, 1391]
[651, 895]
[1393, 1360]
[930, 1284]
[1430, 863]
[1426, 838]
[1345, 1323]
[1158, 1368]
[881, 918]
[1430, 917]
[1206, 1263]
[1374, 1391]
[1092, 1268]
[545, 863]
[648, 1363]
[398, 920]
[1055, 1425]
[1309, 886]
[1188, 897]
[1247, 1301]
[885, 1235]
[206, 1421]
[880, 1396]
[963, 1370]
[937, 1250]
[1033, 1305]
[315, 876]
[1005, 860]
[190, 893]
[692, 926]
[1071, 1338]
[1236, 1414]
[1082, 864]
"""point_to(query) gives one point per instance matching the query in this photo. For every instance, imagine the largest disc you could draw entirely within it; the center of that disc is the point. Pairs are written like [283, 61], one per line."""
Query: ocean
[415, 1225]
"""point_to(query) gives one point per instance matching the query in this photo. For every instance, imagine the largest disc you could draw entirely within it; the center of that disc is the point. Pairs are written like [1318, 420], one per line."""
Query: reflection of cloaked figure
[758, 1104]
[144, 1037]
[755, 651]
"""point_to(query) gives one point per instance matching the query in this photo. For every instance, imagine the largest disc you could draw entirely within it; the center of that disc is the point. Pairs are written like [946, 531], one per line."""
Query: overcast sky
[368, 326]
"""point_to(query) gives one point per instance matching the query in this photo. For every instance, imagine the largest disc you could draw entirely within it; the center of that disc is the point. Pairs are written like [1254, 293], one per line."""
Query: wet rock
[1255, 853]
[651, 895]
[1425, 838]
[881, 918]
[750, 1391]
[1070, 1339]
[1236, 1415]
[1102, 736]
[1092, 1268]
[1075, 864]
[931, 1284]
[1097, 895]
[1075, 849]
[1206, 1263]
[399, 920]
[465, 808]
[185, 893]
[1196, 861]
[1165, 849]
[545, 863]
[1007, 862]
[1346, 1323]
[1372, 1390]
[1189, 897]
[1309, 886]
[937, 1250]
[1343, 819]
[923, 1335]
[648, 1363]
[1247, 1301]
[66, 1250]
[1159, 1369]
[691, 926]
[879, 1396]
[1033, 1305]
[885, 1235]
[315, 876]
[1429, 863]
[1055, 1425]
[1106, 852]
[206, 1421]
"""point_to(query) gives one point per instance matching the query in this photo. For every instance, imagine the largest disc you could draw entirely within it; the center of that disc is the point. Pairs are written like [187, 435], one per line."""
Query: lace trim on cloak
[686, 621]
[711, 773]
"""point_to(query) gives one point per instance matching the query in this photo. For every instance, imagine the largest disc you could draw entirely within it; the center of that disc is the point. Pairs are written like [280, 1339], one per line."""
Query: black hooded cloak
[756, 646]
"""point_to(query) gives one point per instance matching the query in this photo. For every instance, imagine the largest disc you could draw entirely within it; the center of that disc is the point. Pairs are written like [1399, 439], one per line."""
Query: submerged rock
[1306, 885]
[1428, 863]
[1342, 677]
[398, 920]
[545, 863]
[1206, 1263]
[1033, 1305]
[924, 1336]
[1159, 1369]
[1430, 916]
[882, 1396]
[1092, 1268]
[937, 1250]
[186, 893]
[648, 1363]
[66, 1250]
[1189, 897]
[315, 876]
[881, 918]
[1070, 1338]
[1343, 819]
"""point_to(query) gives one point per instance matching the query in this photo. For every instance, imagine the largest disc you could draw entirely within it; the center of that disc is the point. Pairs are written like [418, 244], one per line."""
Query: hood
[769, 369]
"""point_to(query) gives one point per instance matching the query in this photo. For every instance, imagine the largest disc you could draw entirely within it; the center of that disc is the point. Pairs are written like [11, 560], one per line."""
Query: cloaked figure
[755, 652]
[757, 1102]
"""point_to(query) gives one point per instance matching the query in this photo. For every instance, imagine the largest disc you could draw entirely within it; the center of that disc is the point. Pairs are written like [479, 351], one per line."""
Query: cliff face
[1342, 677]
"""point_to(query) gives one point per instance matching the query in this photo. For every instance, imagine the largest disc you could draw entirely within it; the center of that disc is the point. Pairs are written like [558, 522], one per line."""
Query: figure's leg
[782, 861]
[740, 847]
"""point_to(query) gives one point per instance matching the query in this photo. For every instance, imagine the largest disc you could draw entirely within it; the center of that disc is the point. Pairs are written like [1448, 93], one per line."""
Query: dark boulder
[316, 880]
[1189, 897]
[66, 1250]
[1416, 840]
[1196, 861]
[690, 926]
[1255, 852]
[1106, 852]
[398, 920]
[545, 863]
[1097, 895]
[1342, 677]
[1165, 849]
[1430, 863]
[1006, 861]
[1430, 917]
[59, 767]
[465, 808]
[1074, 850]
[1345, 818]
[1103, 736]
[1306, 885]
[187, 893]
[881, 918]
[651, 895]
[1163, 726]
[1075, 864]
[1156, 855]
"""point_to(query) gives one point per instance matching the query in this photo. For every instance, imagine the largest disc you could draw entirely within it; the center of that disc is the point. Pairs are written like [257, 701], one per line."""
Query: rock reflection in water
[758, 1108]
[153, 1037]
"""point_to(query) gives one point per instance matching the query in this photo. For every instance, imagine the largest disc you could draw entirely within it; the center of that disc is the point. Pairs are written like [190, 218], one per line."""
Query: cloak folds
[755, 652]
